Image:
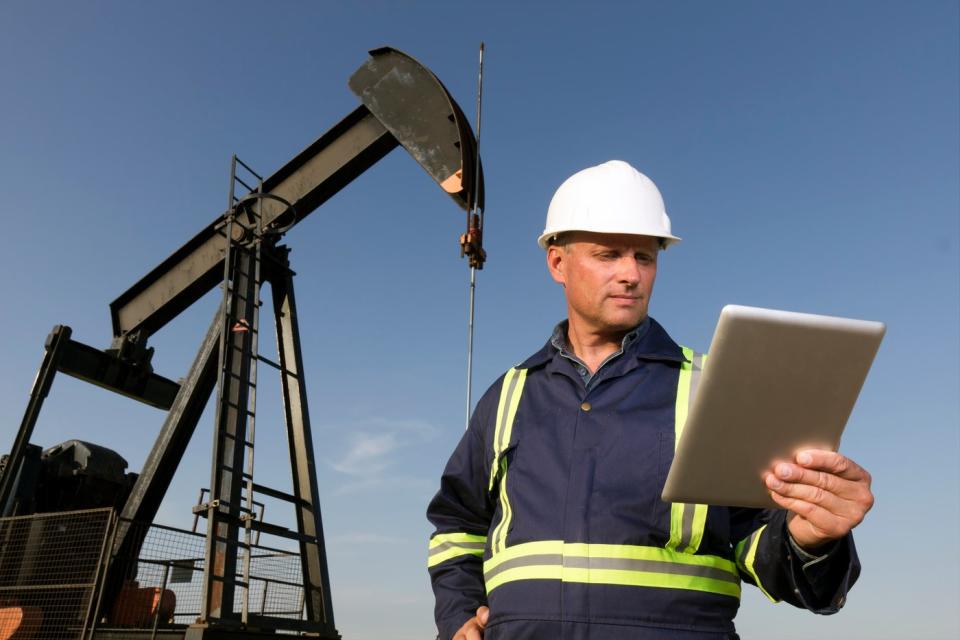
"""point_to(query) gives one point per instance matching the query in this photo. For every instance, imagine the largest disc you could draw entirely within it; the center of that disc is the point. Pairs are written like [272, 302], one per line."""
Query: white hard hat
[610, 198]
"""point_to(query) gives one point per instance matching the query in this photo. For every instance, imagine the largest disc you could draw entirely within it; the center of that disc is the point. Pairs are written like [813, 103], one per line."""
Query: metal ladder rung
[274, 365]
[253, 385]
[249, 188]
[233, 436]
[276, 493]
[248, 168]
[243, 474]
[235, 407]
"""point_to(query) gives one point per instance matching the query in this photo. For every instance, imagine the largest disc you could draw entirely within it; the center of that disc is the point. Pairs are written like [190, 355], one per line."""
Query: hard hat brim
[666, 240]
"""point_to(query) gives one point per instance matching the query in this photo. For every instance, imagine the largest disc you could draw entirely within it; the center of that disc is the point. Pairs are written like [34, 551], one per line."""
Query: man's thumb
[483, 614]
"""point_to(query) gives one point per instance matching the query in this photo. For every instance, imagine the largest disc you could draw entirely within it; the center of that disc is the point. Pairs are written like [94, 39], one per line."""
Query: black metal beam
[403, 103]
[54, 349]
[96, 367]
[312, 177]
[171, 443]
[316, 576]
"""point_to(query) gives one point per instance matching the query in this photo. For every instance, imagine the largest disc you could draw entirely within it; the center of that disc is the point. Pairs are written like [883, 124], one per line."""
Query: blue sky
[807, 153]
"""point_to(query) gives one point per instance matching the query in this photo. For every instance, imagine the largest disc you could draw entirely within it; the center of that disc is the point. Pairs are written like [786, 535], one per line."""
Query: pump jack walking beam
[403, 103]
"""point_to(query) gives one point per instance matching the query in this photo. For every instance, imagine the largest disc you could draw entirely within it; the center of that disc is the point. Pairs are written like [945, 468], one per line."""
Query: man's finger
[833, 463]
[787, 473]
[469, 631]
[472, 629]
[792, 473]
[821, 524]
[849, 506]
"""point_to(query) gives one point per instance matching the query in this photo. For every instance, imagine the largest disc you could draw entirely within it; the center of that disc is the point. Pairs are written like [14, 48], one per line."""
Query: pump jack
[402, 103]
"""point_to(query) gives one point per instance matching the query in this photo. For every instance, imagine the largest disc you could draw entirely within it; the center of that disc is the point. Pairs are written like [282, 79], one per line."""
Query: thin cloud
[368, 454]
[373, 454]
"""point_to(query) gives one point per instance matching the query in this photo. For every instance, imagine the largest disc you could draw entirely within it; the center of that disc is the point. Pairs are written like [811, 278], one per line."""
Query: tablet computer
[774, 382]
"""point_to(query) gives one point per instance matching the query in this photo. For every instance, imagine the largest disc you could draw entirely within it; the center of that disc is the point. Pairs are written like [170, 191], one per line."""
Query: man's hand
[472, 629]
[826, 493]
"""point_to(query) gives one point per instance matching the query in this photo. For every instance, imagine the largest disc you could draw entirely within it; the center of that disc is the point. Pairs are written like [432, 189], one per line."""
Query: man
[548, 519]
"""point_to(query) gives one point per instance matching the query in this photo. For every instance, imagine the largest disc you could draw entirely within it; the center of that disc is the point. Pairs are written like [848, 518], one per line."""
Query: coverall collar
[653, 344]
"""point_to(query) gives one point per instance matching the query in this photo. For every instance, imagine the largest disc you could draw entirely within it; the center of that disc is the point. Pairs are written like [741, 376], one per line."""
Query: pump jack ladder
[404, 104]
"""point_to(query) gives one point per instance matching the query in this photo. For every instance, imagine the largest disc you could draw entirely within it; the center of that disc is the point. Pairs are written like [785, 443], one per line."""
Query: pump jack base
[200, 632]
[206, 632]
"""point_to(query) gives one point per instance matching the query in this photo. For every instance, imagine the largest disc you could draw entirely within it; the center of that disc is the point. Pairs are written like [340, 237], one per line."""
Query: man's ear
[556, 263]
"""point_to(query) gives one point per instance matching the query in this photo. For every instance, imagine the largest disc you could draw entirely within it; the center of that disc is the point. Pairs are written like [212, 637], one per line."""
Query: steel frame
[403, 104]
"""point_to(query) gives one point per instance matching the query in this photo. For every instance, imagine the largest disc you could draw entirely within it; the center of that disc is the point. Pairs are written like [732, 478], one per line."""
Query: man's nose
[629, 271]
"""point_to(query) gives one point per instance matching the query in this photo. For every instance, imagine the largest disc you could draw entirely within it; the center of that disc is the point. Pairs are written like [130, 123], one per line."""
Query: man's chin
[624, 325]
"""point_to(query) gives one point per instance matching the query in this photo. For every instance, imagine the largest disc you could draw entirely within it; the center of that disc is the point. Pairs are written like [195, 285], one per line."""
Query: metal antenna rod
[473, 269]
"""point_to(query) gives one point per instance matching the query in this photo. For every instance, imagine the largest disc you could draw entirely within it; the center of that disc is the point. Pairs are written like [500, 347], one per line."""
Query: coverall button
[585, 406]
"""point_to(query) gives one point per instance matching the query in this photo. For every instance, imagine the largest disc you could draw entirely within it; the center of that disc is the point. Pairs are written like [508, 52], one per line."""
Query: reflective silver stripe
[620, 564]
[686, 533]
[467, 546]
[545, 559]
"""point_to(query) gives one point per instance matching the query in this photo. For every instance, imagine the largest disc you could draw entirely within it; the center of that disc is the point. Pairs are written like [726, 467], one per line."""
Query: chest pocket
[687, 521]
[503, 452]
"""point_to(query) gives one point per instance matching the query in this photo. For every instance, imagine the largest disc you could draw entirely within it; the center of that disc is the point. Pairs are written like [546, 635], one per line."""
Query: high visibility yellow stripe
[500, 532]
[700, 510]
[554, 560]
[543, 572]
[683, 393]
[598, 550]
[453, 552]
[445, 546]
[611, 576]
[544, 547]
[510, 392]
[676, 525]
[683, 400]
[513, 403]
[442, 538]
[638, 552]
[687, 521]
[746, 560]
[699, 525]
[651, 579]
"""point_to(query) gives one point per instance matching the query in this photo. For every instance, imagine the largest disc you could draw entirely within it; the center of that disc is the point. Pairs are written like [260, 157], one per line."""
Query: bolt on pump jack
[402, 104]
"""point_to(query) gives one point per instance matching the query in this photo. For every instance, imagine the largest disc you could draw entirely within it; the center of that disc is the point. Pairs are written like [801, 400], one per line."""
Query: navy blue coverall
[549, 512]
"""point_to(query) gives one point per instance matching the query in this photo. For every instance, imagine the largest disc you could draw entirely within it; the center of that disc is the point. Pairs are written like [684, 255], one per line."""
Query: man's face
[608, 280]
